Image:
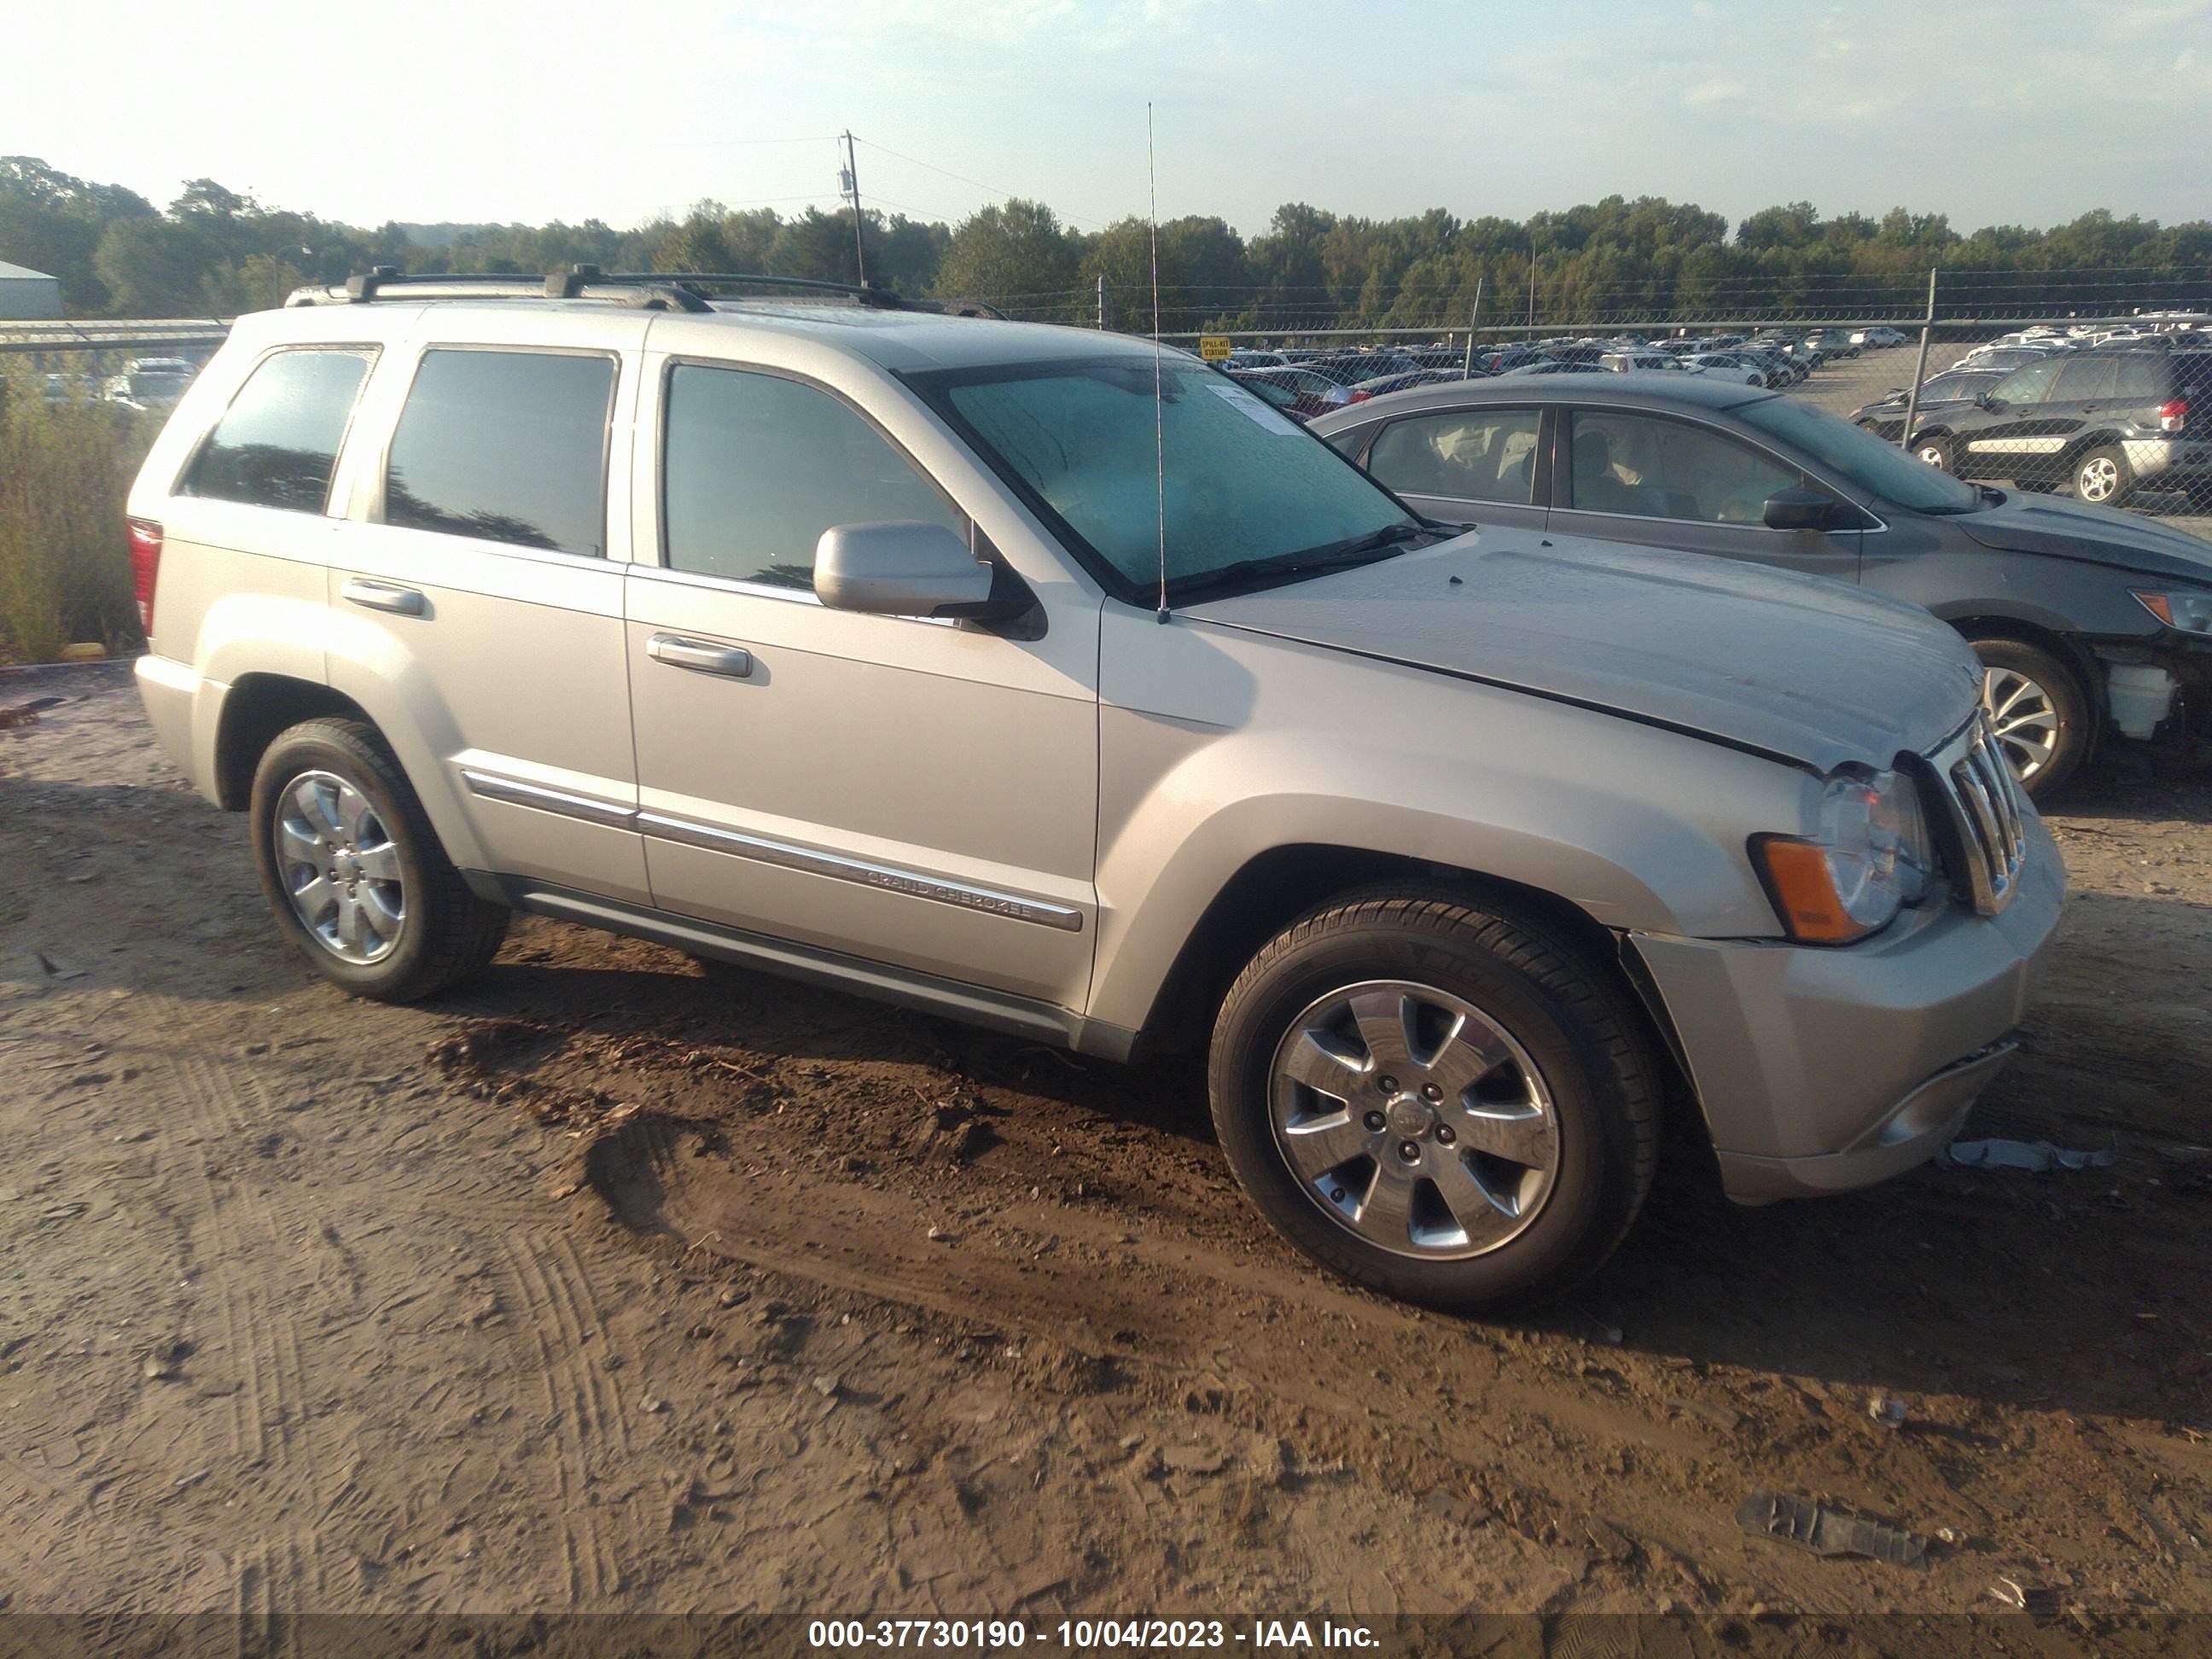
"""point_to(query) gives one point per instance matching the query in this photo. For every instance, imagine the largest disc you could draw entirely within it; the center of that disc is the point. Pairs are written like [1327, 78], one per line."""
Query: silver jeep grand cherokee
[857, 641]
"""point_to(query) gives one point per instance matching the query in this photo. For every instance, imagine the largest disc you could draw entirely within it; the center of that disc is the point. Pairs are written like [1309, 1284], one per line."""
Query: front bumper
[1820, 1070]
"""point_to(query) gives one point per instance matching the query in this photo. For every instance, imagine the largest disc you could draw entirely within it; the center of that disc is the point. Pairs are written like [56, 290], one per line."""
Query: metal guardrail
[111, 333]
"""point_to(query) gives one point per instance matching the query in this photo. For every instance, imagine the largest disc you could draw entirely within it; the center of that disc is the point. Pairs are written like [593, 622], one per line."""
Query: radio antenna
[1159, 406]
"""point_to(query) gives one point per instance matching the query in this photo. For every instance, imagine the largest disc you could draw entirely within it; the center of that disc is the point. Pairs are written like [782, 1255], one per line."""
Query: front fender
[1641, 828]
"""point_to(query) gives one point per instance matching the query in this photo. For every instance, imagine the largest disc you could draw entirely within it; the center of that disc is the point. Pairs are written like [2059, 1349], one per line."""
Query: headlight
[1871, 858]
[2189, 612]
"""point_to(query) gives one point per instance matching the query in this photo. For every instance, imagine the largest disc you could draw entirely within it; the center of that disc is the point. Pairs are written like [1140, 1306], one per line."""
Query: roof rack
[659, 290]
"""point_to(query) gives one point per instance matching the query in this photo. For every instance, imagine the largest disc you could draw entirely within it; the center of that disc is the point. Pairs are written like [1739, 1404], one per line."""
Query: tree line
[213, 251]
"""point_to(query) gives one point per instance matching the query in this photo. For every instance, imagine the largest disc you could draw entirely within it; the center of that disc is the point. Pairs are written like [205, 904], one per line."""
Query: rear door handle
[731, 661]
[383, 596]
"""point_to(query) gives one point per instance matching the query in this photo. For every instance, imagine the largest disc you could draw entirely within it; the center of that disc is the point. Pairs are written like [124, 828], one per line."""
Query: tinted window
[2140, 377]
[2081, 379]
[2030, 383]
[277, 443]
[756, 467]
[504, 446]
[1476, 455]
[1661, 469]
[1879, 469]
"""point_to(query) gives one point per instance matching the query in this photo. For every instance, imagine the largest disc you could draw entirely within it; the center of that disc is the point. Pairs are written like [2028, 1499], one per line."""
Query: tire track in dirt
[576, 1405]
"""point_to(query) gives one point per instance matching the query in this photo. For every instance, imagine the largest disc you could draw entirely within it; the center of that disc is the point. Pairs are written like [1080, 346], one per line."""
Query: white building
[28, 294]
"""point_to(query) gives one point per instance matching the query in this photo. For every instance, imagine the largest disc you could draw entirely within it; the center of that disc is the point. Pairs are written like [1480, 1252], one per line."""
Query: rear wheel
[1936, 450]
[1438, 1100]
[2038, 708]
[2102, 477]
[355, 874]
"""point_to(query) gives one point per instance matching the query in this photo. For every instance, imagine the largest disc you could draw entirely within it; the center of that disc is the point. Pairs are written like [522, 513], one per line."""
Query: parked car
[1311, 393]
[2088, 621]
[1878, 337]
[1650, 363]
[852, 666]
[2104, 421]
[1726, 365]
[1387, 384]
[1885, 417]
[1833, 342]
[150, 382]
[1551, 365]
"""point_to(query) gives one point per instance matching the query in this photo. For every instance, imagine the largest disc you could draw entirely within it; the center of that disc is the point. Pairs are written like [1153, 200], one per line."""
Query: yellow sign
[1213, 348]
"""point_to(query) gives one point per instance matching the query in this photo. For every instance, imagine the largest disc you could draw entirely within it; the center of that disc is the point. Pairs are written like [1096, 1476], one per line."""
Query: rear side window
[756, 467]
[277, 443]
[2084, 378]
[1653, 468]
[504, 446]
[1475, 455]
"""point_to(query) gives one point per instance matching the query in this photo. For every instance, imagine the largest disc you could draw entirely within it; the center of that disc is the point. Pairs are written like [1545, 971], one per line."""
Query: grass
[64, 562]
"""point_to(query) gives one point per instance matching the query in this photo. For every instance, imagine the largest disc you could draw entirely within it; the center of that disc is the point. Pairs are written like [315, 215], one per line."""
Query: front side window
[755, 467]
[1878, 468]
[2028, 384]
[504, 446]
[277, 444]
[1474, 454]
[1660, 469]
[1245, 485]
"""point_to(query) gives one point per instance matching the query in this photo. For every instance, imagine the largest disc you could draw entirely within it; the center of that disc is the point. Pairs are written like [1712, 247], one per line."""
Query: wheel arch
[1273, 888]
[256, 710]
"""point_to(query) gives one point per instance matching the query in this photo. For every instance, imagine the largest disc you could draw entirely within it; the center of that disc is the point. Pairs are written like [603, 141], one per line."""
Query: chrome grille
[1986, 813]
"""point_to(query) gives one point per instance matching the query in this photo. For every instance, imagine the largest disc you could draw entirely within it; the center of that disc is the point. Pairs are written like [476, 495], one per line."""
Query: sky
[2026, 111]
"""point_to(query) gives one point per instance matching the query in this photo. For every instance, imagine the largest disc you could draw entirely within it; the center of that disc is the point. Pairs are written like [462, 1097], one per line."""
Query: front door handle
[731, 661]
[383, 596]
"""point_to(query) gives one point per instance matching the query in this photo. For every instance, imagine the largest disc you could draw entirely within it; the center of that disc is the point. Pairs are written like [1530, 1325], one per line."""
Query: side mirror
[1799, 509]
[906, 568]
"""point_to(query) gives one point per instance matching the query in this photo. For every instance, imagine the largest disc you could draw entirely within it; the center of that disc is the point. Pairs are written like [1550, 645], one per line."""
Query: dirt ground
[609, 1283]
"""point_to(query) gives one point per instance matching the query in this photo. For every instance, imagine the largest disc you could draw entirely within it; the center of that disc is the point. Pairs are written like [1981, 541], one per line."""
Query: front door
[905, 791]
[1624, 474]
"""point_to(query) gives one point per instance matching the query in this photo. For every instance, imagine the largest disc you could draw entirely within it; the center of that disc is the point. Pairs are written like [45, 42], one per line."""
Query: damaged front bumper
[1819, 1069]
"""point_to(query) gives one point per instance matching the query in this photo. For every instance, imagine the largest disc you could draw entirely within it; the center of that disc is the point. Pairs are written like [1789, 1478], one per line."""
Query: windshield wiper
[1330, 555]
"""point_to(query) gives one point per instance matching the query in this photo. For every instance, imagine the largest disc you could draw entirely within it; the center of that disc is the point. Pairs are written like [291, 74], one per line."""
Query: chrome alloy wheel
[1934, 456]
[1414, 1120]
[339, 867]
[2099, 480]
[2023, 717]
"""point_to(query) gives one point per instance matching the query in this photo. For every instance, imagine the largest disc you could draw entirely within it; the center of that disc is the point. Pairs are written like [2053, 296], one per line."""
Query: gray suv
[871, 645]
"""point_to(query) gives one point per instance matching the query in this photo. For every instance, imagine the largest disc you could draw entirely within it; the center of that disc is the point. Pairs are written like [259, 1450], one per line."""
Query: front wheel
[355, 874]
[2039, 713]
[1443, 1102]
[1936, 451]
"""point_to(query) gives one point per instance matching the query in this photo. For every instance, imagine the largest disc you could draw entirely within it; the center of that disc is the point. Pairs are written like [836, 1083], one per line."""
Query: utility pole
[1473, 312]
[1102, 302]
[850, 183]
[1532, 289]
[1920, 368]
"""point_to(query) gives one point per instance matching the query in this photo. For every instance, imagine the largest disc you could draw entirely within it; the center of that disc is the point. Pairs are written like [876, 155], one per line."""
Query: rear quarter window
[277, 444]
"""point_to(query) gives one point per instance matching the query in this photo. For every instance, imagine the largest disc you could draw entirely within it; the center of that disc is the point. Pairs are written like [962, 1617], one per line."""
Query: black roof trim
[657, 290]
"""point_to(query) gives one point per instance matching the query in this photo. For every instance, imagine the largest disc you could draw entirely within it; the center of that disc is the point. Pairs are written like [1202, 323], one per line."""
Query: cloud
[1716, 91]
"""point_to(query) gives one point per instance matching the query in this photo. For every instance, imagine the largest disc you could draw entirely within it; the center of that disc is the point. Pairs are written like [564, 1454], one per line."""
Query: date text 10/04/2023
[997, 1635]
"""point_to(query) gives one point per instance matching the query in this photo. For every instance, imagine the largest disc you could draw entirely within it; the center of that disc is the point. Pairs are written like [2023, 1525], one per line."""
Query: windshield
[1879, 469]
[1243, 482]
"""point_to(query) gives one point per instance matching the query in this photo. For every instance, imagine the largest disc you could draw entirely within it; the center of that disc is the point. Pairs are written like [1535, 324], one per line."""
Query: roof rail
[655, 290]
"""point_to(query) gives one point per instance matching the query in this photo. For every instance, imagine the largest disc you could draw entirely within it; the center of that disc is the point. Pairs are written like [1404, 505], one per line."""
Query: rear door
[2014, 433]
[475, 597]
[1482, 465]
[1636, 476]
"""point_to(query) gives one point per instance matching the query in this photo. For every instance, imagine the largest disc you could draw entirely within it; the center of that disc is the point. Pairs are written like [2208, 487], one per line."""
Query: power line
[993, 190]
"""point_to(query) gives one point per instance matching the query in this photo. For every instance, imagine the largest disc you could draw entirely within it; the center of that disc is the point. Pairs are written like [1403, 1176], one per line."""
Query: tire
[1579, 1086]
[1936, 450]
[393, 920]
[2040, 710]
[2102, 477]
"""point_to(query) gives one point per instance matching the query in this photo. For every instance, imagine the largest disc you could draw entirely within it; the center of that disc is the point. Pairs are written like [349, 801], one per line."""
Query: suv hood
[1794, 667]
[2068, 529]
